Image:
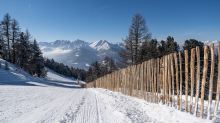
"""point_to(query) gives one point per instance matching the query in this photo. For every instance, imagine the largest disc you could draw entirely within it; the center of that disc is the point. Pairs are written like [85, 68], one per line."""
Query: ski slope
[25, 99]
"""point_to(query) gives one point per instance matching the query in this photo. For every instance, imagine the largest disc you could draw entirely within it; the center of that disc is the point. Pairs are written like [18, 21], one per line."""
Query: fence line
[160, 80]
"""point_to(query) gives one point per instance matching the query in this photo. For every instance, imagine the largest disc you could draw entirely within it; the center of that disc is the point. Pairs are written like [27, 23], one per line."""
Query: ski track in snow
[59, 99]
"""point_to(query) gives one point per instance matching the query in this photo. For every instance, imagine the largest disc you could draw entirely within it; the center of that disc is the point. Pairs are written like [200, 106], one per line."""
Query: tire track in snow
[72, 111]
[98, 110]
[49, 112]
[84, 111]
[109, 114]
[120, 109]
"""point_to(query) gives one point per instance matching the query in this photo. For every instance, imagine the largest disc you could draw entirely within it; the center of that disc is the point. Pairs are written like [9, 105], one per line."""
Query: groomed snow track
[61, 99]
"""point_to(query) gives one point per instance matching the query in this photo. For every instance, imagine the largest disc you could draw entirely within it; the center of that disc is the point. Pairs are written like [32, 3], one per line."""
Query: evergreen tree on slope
[38, 62]
[24, 52]
[6, 27]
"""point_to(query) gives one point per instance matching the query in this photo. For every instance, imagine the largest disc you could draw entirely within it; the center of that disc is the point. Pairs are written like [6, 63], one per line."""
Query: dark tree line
[97, 69]
[65, 70]
[18, 48]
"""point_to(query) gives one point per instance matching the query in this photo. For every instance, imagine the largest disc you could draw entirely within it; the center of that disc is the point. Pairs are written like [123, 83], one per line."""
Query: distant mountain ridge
[80, 53]
[210, 42]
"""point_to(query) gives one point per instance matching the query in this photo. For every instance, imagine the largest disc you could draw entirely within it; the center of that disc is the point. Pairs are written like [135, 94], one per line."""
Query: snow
[25, 99]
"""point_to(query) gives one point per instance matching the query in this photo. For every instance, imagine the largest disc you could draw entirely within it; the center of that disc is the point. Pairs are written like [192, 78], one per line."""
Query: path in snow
[60, 99]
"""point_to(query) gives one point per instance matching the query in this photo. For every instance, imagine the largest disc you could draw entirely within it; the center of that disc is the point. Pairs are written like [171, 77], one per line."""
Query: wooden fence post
[145, 79]
[152, 79]
[211, 81]
[192, 76]
[169, 81]
[186, 79]
[158, 75]
[123, 81]
[132, 82]
[155, 79]
[172, 73]
[164, 89]
[205, 69]
[165, 73]
[180, 61]
[130, 79]
[161, 79]
[148, 79]
[218, 86]
[177, 82]
[142, 79]
[119, 81]
[137, 72]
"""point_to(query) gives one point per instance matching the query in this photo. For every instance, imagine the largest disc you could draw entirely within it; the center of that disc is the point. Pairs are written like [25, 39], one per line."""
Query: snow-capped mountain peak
[79, 51]
[101, 45]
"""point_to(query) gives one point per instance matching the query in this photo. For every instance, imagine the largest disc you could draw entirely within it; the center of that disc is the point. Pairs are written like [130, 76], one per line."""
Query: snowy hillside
[25, 99]
[79, 53]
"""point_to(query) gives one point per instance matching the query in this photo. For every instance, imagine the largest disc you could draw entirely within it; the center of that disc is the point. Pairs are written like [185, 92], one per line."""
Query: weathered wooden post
[165, 74]
[155, 79]
[148, 80]
[180, 61]
[142, 80]
[145, 79]
[164, 80]
[205, 69]
[186, 79]
[152, 79]
[169, 82]
[158, 77]
[211, 81]
[172, 72]
[192, 77]
[177, 80]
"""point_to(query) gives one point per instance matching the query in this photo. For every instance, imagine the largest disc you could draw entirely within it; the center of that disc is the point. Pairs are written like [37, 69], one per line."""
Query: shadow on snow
[45, 83]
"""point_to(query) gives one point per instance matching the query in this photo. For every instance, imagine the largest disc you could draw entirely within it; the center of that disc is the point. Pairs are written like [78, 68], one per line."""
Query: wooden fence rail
[161, 80]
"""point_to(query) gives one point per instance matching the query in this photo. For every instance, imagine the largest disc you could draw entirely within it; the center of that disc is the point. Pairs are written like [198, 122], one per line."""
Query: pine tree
[167, 47]
[15, 35]
[138, 32]
[6, 27]
[105, 66]
[89, 76]
[24, 52]
[38, 62]
[127, 54]
[112, 65]
[96, 69]
[171, 45]
[148, 50]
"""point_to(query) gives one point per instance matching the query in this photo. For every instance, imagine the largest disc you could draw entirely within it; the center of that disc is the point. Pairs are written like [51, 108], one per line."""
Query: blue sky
[92, 20]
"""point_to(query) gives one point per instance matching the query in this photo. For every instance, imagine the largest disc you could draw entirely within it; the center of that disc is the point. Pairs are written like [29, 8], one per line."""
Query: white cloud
[29, 5]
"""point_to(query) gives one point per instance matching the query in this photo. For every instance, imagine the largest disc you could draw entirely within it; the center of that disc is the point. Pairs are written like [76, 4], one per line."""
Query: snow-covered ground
[25, 99]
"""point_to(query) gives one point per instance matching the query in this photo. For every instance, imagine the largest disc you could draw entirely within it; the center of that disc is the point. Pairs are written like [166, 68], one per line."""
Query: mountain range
[79, 53]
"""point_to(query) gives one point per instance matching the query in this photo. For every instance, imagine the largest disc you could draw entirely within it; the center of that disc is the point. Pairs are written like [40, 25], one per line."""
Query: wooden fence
[161, 80]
